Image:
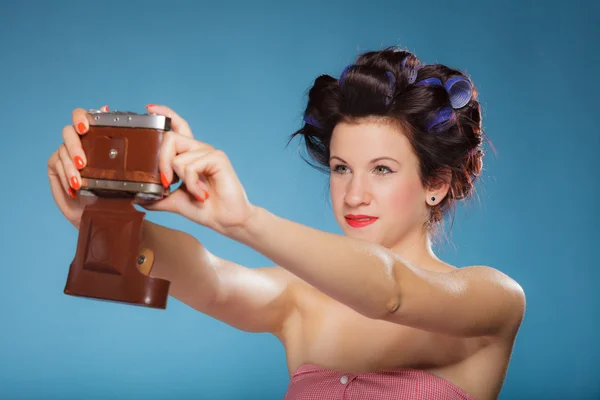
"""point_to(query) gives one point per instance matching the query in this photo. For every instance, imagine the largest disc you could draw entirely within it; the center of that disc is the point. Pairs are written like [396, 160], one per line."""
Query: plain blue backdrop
[238, 72]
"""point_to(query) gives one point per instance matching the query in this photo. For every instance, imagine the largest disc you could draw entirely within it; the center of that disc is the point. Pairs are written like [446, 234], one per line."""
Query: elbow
[392, 298]
[392, 306]
[386, 311]
[387, 306]
[389, 294]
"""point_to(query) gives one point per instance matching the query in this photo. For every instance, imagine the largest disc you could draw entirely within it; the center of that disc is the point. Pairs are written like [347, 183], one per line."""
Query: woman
[372, 313]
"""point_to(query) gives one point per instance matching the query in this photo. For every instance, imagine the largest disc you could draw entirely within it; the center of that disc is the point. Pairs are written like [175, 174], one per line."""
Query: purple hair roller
[443, 119]
[310, 120]
[392, 86]
[412, 71]
[343, 75]
[460, 91]
[391, 79]
[430, 82]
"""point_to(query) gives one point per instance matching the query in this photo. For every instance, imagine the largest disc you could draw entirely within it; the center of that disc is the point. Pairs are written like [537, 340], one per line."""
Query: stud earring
[432, 198]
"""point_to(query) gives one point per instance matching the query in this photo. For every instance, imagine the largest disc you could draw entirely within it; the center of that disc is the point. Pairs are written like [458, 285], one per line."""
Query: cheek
[337, 192]
[403, 196]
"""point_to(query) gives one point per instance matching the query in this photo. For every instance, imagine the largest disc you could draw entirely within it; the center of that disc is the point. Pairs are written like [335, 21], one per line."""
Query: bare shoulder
[492, 274]
[483, 273]
[508, 292]
[486, 276]
[493, 301]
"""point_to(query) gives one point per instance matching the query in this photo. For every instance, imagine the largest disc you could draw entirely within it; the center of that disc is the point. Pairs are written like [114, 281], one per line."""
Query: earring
[432, 198]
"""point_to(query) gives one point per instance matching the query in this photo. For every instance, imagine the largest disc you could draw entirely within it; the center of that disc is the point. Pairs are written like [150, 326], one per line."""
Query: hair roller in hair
[442, 120]
[343, 75]
[460, 91]
[412, 70]
[311, 120]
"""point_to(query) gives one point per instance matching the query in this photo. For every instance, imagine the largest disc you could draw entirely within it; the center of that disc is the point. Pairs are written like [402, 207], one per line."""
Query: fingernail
[81, 127]
[75, 183]
[150, 105]
[78, 162]
[71, 192]
[105, 109]
[206, 195]
[163, 179]
[199, 198]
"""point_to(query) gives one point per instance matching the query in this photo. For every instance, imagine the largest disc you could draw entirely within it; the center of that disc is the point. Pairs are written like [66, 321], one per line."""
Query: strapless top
[312, 382]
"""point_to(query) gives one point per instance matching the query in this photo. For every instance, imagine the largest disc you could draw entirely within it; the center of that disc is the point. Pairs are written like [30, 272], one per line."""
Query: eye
[339, 169]
[382, 170]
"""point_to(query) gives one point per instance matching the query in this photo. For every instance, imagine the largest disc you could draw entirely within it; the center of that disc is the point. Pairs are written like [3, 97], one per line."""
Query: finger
[72, 174]
[192, 178]
[80, 121]
[60, 171]
[196, 172]
[178, 124]
[73, 144]
[52, 161]
[56, 174]
[170, 203]
[180, 162]
[174, 144]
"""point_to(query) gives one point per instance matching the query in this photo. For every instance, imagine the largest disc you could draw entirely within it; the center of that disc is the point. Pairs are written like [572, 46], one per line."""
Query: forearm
[354, 272]
[181, 259]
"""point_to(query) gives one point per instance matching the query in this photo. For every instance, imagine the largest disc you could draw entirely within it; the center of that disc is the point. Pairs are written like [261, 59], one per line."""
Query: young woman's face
[375, 187]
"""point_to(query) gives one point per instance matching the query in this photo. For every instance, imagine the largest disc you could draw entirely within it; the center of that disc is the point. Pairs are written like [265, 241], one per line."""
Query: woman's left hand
[211, 193]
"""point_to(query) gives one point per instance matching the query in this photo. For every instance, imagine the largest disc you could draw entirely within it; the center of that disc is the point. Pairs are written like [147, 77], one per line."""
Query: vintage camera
[122, 151]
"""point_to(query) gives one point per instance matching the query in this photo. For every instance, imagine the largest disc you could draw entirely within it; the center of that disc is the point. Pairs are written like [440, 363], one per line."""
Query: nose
[357, 192]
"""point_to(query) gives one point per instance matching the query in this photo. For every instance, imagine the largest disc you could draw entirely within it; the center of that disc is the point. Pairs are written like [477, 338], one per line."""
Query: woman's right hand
[64, 165]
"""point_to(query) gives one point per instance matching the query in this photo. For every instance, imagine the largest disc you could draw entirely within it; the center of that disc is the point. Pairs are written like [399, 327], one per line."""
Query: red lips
[360, 220]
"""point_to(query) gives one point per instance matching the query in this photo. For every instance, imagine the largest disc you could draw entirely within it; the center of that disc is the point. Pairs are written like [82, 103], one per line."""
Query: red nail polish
[78, 162]
[75, 183]
[206, 195]
[81, 127]
[199, 198]
[150, 105]
[105, 109]
[163, 179]
[71, 192]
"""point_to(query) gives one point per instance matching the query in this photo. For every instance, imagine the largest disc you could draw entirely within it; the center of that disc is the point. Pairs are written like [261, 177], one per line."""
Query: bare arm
[356, 273]
[466, 302]
[256, 300]
[249, 299]
[377, 283]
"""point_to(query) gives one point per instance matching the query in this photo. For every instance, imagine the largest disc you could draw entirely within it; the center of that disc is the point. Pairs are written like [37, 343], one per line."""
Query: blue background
[238, 72]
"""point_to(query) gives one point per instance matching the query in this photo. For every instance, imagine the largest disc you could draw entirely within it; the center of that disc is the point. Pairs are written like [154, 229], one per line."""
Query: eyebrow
[372, 161]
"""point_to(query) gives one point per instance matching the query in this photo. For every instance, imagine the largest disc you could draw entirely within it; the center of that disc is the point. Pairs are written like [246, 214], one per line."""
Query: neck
[415, 247]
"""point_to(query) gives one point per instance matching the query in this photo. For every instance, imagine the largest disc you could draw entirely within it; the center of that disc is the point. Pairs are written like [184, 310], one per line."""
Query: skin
[375, 298]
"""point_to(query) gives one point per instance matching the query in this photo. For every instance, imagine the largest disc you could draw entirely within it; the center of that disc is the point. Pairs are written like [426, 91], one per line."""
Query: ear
[439, 187]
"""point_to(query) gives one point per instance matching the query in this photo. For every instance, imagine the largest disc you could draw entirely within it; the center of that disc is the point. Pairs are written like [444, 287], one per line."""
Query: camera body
[122, 152]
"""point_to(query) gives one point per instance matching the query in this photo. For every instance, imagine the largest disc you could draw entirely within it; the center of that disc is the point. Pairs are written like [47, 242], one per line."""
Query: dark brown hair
[383, 84]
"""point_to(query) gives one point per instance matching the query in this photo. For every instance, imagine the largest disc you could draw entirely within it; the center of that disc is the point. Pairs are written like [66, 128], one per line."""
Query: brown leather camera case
[122, 163]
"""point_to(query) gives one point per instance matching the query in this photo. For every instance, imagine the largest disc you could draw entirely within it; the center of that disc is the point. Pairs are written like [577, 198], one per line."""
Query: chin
[371, 237]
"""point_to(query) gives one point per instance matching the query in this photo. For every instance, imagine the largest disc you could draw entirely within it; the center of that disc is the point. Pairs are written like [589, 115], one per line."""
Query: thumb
[169, 203]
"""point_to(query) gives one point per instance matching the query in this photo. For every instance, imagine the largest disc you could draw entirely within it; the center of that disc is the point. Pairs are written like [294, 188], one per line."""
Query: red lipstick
[360, 220]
